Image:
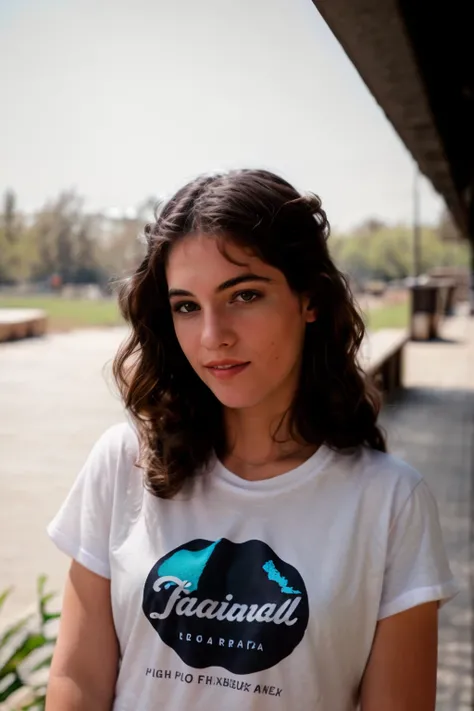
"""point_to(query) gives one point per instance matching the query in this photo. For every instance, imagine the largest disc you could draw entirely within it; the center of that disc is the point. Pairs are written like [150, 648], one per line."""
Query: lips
[226, 368]
[224, 364]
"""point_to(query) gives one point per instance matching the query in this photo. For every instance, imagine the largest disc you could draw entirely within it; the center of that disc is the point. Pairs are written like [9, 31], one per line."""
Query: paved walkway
[432, 426]
[55, 401]
[56, 398]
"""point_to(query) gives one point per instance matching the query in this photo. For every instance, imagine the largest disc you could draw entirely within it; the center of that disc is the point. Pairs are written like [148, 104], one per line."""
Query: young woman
[244, 541]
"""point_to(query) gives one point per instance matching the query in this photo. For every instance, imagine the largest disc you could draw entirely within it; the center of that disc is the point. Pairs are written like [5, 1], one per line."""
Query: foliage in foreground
[26, 649]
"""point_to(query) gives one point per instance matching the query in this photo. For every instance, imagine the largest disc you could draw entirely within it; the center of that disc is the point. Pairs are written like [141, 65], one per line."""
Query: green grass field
[390, 316]
[66, 314]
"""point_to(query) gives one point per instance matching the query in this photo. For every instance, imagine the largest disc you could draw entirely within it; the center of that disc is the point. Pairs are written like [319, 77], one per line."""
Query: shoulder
[389, 470]
[112, 457]
[120, 442]
[384, 481]
[371, 467]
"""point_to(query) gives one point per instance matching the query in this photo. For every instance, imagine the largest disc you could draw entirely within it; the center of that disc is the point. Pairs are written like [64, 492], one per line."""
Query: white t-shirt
[262, 595]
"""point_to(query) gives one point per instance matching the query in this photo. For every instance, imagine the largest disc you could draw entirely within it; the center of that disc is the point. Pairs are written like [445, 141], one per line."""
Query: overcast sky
[123, 99]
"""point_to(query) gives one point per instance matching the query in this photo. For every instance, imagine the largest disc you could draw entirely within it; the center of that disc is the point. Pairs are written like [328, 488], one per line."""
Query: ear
[311, 314]
[310, 311]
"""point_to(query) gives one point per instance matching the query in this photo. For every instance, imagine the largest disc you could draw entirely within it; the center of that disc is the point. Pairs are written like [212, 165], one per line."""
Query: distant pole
[416, 224]
[471, 270]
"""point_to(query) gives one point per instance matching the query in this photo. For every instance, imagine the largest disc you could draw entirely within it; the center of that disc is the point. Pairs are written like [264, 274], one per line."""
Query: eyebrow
[242, 279]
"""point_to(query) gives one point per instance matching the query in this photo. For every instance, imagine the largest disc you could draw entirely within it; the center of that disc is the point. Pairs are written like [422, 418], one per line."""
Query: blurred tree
[387, 253]
[11, 233]
[447, 228]
[66, 242]
[123, 247]
[87, 268]
[371, 225]
[9, 217]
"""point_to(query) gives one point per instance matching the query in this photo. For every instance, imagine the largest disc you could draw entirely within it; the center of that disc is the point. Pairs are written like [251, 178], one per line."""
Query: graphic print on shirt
[232, 605]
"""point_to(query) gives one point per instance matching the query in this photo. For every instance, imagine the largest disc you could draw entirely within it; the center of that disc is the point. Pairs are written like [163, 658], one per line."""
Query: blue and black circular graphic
[232, 605]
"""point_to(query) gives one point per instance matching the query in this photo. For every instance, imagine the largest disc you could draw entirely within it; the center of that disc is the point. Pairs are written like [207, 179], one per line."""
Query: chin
[237, 400]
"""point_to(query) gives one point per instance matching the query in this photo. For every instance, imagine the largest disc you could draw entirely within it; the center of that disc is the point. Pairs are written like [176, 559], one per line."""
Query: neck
[261, 447]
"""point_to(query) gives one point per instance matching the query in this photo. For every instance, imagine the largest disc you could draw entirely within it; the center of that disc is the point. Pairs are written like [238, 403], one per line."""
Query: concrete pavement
[56, 398]
[431, 425]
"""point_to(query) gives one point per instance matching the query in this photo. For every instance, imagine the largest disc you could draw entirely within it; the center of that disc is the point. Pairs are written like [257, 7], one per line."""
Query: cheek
[280, 345]
[186, 337]
[281, 357]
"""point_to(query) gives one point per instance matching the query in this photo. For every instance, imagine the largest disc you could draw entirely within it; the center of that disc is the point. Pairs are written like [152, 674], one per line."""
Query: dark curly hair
[178, 419]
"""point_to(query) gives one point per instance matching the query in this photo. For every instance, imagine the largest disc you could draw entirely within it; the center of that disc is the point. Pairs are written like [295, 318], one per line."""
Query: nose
[216, 331]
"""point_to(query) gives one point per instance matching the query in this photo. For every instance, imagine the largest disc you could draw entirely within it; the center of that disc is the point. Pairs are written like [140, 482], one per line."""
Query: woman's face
[240, 327]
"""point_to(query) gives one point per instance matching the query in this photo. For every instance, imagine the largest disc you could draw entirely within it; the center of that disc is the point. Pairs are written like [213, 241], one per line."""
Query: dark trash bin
[427, 306]
[447, 295]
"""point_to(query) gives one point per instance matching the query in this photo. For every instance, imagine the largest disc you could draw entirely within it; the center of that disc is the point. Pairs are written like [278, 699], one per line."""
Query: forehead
[200, 259]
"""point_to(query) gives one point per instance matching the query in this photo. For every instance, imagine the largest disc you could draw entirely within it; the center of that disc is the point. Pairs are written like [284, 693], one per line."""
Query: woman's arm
[401, 671]
[85, 662]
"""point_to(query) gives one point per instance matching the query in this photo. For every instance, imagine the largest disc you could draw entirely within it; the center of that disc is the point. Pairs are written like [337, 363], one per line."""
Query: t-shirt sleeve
[81, 528]
[417, 568]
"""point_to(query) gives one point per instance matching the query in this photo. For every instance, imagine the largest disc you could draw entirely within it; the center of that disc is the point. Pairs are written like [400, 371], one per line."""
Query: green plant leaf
[28, 642]
[37, 704]
[11, 688]
[4, 595]
[40, 583]
[51, 616]
[45, 615]
[44, 664]
[32, 642]
[13, 630]
[46, 598]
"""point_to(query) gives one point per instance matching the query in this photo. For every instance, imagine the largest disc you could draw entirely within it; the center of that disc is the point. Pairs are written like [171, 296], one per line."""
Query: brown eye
[185, 307]
[247, 296]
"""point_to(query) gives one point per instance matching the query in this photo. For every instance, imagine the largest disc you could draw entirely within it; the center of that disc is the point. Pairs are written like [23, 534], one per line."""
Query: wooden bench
[22, 323]
[381, 357]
